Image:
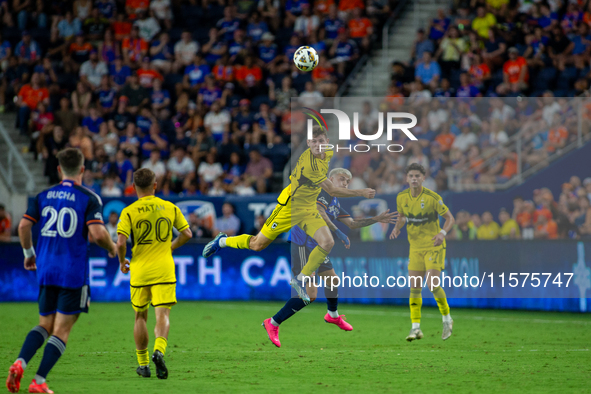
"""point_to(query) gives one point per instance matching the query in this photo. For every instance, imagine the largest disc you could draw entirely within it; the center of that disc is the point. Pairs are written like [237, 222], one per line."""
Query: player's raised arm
[334, 191]
[340, 235]
[384, 217]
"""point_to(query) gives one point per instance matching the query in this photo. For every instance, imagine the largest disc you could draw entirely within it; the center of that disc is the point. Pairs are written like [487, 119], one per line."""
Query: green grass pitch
[220, 347]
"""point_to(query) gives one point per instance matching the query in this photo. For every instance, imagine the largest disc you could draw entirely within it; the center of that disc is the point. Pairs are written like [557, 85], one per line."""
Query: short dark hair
[144, 178]
[70, 161]
[317, 131]
[2, 207]
[415, 166]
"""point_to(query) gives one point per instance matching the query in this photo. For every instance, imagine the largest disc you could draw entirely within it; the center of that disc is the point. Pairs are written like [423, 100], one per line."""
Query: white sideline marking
[346, 310]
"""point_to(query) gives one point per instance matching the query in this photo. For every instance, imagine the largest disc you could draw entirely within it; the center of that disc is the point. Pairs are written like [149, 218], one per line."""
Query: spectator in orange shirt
[147, 74]
[479, 71]
[445, 138]
[249, 77]
[28, 97]
[347, 6]
[121, 27]
[545, 228]
[132, 7]
[515, 74]
[394, 99]
[360, 29]
[5, 225]
[557, 135]
[323, 77]
[79, 52]
[134, 48]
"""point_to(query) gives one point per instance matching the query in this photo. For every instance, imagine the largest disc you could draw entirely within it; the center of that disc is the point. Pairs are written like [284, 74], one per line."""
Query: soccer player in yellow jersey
[297, 206]
[149, 222]
[421, 208]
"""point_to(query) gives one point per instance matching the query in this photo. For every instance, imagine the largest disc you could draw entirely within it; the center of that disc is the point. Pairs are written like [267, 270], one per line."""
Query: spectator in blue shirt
[268, 52]
[106, 96]
[343, 50]
[332, 24]
[159, 97]
[422, 44]
[548, 19]
[439, 26]
[123, 168]
[107, 8]
[195, 74]
[256, 27]
[69, 26]
[467, 89]
[27, 50]
[155, 140]
[228, 24]
[238, 45]
[162, 53]
[428, 71]
[582, 43]
[5, 49]
[209, 93]
[119, 72]
[92, 122]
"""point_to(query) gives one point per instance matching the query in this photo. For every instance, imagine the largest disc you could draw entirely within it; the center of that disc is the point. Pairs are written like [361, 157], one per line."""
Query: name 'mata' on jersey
[64, 212]
[149, 222]
[422, 215]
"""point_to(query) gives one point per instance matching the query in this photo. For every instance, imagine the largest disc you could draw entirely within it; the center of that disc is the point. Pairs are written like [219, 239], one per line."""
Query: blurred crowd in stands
[199, 91]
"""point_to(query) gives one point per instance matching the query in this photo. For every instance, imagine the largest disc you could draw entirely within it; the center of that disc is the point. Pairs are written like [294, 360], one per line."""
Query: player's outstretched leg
[34, 340]
[332, 315]
[415, 302]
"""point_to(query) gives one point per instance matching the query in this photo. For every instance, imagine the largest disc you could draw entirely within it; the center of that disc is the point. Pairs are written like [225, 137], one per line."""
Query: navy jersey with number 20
[64, 213]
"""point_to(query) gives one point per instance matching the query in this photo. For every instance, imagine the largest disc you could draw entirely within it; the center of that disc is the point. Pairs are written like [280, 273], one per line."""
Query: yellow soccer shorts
[426, 259]
[158, 295]
[284, 218]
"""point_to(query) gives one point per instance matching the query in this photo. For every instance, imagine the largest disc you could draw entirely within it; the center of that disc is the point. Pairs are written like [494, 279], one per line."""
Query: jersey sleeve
[399, 205]
[32, 213]
[343, 213]
[94, 210]
[440, 207]
[124, 225]
[180, 223]
[324, 199]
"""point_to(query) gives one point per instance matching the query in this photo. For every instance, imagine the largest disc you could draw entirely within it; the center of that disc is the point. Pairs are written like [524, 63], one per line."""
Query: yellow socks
[416, 302]
[239, 241]
[142, 357]
[160, 344]
[316, 258]
[441, 299]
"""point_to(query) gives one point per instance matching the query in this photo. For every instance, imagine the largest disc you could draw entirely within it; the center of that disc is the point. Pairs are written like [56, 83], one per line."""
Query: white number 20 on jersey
[54, 216]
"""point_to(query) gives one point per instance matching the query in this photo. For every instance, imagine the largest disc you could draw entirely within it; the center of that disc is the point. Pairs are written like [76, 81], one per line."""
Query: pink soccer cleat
[15, 374]
[272, 332]
[39, 388]
[339, 321]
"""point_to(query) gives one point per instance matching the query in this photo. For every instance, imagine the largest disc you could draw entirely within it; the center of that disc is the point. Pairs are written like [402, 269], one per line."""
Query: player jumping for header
[330, 210]
[421, 207]
[297, 206]
[67, 213]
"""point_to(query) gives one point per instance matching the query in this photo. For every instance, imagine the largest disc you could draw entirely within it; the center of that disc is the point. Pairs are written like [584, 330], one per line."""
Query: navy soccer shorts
[300, 255]
[53, 299]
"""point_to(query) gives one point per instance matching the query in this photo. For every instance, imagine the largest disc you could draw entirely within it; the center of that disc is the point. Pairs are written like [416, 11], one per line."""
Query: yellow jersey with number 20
[149, 222]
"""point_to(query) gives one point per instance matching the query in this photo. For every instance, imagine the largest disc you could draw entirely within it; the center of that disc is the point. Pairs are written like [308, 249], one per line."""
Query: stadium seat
[566, 78]
[545, 78]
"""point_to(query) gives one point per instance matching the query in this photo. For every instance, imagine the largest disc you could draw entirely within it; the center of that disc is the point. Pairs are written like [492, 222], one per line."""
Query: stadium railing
[8, 161]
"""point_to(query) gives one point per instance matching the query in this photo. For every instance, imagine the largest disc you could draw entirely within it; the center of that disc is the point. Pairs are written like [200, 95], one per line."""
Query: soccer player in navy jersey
[67, 213]
[330, 210]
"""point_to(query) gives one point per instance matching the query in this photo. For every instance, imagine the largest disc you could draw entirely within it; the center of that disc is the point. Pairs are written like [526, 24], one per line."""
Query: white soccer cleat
[415, 333]
[298, 287]
[447, 328]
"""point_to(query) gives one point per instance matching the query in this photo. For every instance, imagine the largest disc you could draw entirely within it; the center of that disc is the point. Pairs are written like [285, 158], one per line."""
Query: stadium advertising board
[240, 275]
